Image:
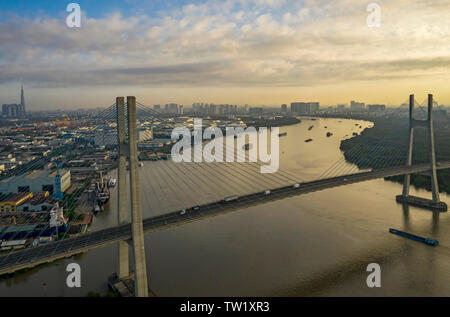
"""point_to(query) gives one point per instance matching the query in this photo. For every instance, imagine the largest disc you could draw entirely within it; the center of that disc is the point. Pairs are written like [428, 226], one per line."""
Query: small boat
[97, 209]
[308, 140]
[112, 182]
[141, 164]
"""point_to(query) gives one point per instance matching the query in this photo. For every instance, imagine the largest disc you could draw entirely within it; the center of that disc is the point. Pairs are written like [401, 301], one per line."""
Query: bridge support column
[407, 180]
[122, 202]
[434, 203]
[434, 182]
[140, 269]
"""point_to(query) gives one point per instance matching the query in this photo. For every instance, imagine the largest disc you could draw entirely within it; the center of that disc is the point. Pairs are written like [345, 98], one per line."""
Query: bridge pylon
[406, 198]
[122, 202]
[128, 150]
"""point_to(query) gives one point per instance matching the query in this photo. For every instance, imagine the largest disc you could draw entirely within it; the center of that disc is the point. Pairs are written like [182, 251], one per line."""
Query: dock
[421, 202]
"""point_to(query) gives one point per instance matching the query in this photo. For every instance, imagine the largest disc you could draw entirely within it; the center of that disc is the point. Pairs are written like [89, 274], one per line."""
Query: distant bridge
[64, 248]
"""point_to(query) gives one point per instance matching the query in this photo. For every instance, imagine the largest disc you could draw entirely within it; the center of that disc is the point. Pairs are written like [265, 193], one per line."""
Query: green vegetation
[386, 144]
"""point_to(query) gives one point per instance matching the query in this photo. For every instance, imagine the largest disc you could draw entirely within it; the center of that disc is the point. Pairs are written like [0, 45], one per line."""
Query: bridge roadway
[52, 251]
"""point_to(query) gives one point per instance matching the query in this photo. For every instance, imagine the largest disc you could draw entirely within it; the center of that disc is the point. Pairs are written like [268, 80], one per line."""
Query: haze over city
[257, 52]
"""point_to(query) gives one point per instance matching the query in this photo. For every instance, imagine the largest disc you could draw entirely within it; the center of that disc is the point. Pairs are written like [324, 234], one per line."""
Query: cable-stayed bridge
[59, 249]
[281, 185]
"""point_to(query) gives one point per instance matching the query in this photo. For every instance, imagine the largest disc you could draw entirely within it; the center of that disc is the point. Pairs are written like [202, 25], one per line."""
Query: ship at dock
[101, 193]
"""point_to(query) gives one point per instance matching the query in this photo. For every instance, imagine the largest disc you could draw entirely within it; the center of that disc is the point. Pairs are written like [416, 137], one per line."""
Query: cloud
[234, 42]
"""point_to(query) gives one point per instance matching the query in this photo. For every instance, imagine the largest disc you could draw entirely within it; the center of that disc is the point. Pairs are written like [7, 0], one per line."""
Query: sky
[256, 52]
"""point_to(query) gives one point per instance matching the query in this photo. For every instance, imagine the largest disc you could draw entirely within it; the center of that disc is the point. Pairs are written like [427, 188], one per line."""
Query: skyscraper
[22, 102]
[15, 110]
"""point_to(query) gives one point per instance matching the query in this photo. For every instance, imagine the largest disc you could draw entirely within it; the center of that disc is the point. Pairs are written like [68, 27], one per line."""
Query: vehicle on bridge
[229, 199]
[197, 207]
[297, 185]
[183, 211]
[267, 192]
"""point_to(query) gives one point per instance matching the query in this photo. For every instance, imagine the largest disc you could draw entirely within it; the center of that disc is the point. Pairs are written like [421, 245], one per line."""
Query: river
[318, 244]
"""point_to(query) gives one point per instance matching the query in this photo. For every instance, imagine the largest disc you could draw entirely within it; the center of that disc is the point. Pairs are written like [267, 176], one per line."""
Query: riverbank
[390, 137]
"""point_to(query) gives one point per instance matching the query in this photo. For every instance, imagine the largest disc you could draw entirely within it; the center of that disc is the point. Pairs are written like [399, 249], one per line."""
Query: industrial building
[37, 181]
[11, 202]
[26, 202]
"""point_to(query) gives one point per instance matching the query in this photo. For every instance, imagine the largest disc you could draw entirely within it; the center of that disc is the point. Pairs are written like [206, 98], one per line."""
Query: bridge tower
[122, 202]
[435, 202]
[137, 230]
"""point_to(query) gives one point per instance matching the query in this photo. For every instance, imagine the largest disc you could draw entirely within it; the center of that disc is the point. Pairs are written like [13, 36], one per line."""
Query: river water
[318, 244]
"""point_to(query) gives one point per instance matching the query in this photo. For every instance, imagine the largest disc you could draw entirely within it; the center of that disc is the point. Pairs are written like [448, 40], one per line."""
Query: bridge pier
[137, 278]
[122, 203]
[405, 198]
[137, 228]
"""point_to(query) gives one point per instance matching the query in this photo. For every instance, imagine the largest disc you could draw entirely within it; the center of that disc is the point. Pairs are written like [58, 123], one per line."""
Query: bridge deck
[59, 249]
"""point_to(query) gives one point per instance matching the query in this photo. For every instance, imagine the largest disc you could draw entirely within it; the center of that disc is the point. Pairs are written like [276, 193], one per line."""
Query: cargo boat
[112, 182]
[101, 192]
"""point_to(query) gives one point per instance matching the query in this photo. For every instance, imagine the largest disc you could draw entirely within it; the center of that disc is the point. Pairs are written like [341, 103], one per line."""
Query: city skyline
[259, 52]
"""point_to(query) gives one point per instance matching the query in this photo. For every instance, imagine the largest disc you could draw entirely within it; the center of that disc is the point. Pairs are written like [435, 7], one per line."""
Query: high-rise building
[173, 108]
[15, 110]
[354, 105]
[256, 110]
[376, 108]
[305, 108]
[284, 108]
[22, 102]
